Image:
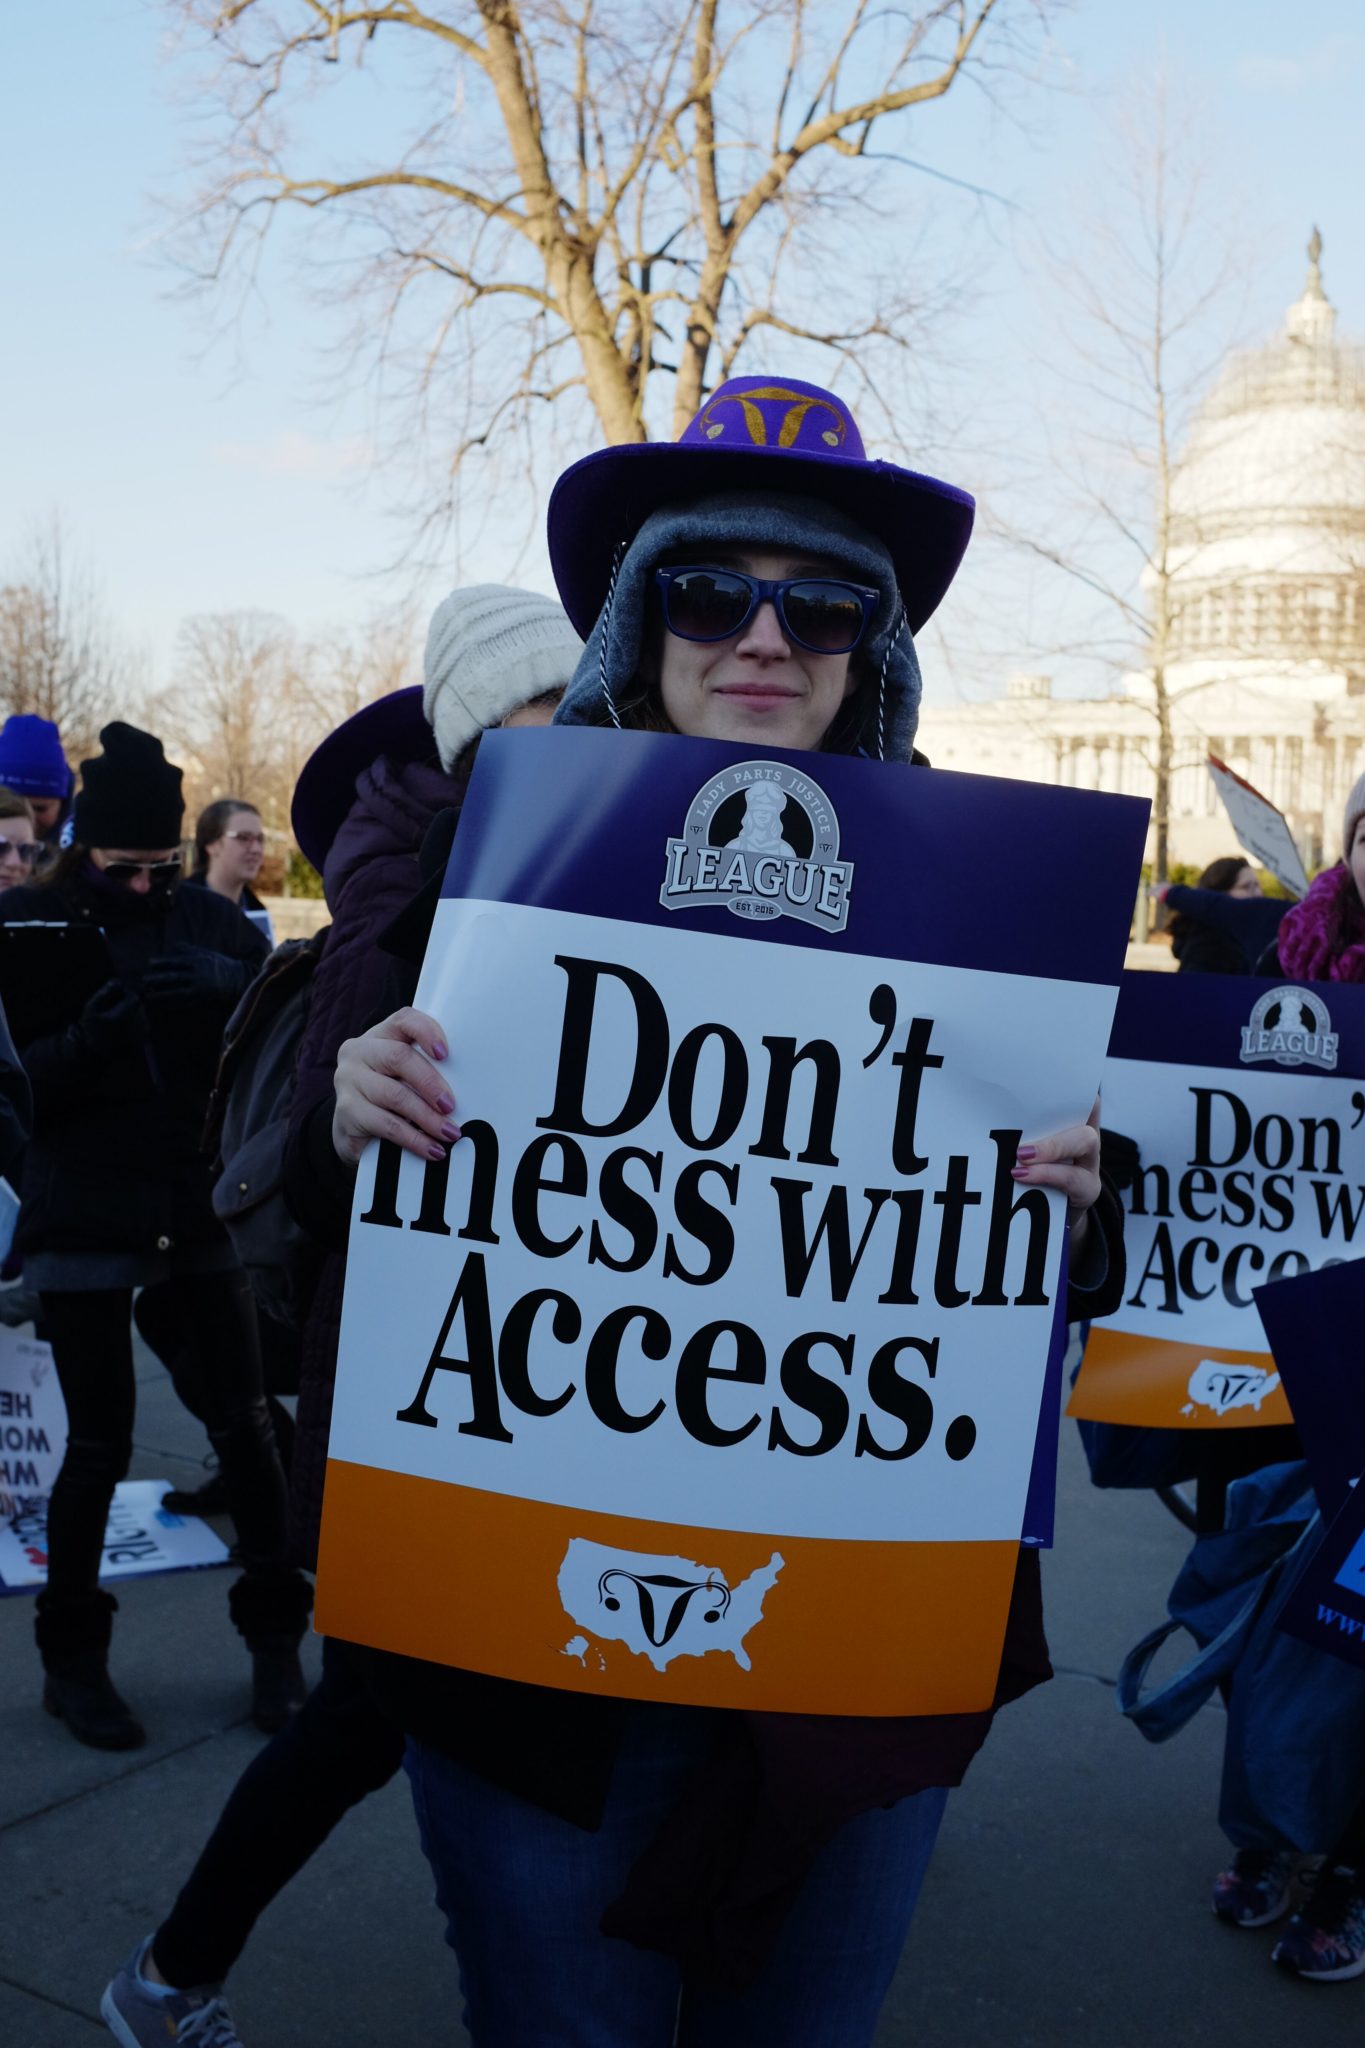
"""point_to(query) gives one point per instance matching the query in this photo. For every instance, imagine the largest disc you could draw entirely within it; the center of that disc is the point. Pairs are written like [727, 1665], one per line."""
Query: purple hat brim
[607, 496]
[325, 789]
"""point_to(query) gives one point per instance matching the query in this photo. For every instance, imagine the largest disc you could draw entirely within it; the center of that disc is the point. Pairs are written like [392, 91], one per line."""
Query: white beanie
[1355, 810]
[490, 650]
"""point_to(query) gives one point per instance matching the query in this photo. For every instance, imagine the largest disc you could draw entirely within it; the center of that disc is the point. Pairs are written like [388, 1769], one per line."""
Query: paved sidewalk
[1067, 1906]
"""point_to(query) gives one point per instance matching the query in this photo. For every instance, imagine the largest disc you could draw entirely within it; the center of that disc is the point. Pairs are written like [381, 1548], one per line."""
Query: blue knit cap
[31, 759]
[794, 525]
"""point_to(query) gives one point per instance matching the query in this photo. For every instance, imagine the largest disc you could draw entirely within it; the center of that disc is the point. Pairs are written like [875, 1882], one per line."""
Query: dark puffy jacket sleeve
[1250, 922]
[318, 1186]
[16, 1101]
[1100, 1272]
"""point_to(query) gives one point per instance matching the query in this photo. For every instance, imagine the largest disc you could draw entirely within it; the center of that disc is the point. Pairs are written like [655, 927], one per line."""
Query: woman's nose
[763, 635]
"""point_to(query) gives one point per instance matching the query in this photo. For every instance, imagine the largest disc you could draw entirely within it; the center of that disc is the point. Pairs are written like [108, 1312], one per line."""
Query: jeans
[92, 1349]
[336, 1750]
[523, 1892]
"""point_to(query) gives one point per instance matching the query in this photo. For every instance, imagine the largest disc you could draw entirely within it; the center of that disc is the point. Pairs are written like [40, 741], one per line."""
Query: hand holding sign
[1068, 1160]
[388, 1087]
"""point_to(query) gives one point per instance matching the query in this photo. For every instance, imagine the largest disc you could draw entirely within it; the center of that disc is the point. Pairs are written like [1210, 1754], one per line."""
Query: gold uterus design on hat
[797, 403]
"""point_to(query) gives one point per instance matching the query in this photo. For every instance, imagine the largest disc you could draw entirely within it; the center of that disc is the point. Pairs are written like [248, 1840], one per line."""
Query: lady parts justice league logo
[762, 840]
[1292, 1027]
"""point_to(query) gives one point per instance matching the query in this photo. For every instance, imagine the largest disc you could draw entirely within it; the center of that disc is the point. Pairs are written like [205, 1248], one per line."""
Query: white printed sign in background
[32, 1417]
[1262, 830]
[141, 1537]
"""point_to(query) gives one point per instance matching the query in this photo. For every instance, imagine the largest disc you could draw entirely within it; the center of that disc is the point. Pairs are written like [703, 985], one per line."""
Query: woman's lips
[762, 696]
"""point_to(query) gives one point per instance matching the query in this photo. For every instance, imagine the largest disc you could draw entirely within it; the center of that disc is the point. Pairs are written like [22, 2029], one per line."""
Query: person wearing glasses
[229, 846]
[19, 844]
[138, 978]
[680, 1875]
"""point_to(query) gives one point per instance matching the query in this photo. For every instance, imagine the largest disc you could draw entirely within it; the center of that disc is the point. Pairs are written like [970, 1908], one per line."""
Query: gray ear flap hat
[605, 676]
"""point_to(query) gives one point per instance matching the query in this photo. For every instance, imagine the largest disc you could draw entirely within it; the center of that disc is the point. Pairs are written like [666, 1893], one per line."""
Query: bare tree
[58, 655]
[1150, 287]
[592, 196]
[251, 699]
[232, 711]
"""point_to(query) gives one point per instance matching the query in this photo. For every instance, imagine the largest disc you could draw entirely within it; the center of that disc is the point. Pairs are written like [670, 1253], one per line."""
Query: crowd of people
[680, 1874]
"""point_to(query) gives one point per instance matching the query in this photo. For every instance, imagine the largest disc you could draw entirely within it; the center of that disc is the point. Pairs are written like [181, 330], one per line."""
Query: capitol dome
[1267, 543]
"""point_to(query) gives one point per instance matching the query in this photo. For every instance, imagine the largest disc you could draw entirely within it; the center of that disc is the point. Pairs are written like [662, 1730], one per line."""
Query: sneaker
[1254, 1889]
[145, 2015]
[1325, 1940]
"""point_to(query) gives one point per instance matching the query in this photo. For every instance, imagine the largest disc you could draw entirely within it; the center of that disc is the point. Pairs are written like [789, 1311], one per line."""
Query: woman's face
[235, 859]
[135, 868]
[15, 867]
[758, 687]
[1246, 884]
[1357, 859]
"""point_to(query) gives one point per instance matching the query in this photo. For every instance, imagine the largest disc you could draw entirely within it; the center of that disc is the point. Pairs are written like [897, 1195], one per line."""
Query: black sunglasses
[124, 870]
[823, 614]
[27, 850]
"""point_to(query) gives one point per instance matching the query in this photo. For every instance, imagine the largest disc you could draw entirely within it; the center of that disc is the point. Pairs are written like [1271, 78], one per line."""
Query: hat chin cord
[881, 685]
[616, 562]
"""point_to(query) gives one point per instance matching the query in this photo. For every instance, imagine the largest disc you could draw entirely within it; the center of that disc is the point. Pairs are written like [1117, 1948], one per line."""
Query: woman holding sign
[617, 1873]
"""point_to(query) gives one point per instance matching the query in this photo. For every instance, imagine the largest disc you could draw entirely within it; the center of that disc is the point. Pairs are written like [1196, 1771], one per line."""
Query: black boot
[77, 1689]
[209, 1499]
[278, 1686]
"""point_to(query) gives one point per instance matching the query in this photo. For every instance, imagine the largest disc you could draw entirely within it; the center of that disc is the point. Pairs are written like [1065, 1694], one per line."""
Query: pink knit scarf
[1323, 938]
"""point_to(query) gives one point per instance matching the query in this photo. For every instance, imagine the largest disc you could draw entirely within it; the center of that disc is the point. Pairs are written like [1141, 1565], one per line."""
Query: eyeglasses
[248, 838]
[155, 870]
[26, 850]
[823, 614]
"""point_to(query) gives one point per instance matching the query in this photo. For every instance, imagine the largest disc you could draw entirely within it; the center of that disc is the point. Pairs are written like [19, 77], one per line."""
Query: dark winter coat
[114, 1164]
[370, 874]
[16, 1101]
[1215, 933]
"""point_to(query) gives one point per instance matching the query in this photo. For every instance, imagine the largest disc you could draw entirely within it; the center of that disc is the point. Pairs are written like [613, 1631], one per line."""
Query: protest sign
[708, 1367]
[1326, 1607]
[140, 1537]
[1315, 1325]
[32, 1417]
[1247, 1102]
[1261, 829]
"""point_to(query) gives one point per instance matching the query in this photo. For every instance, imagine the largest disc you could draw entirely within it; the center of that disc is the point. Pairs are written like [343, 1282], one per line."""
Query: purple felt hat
[756, 433]
[325, 790]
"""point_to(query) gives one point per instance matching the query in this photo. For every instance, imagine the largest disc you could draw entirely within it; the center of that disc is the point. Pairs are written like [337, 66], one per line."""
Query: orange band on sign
[1155, 1383]
[468, 1578]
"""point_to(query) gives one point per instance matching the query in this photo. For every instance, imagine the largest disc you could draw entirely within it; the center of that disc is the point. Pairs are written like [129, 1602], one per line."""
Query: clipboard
[48, 972]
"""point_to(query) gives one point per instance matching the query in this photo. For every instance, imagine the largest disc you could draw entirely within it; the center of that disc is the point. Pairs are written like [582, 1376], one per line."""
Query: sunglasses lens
[707, 604]
[826, 617]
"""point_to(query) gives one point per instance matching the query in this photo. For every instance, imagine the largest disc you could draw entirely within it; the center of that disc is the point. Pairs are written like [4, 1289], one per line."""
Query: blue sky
[205, 484]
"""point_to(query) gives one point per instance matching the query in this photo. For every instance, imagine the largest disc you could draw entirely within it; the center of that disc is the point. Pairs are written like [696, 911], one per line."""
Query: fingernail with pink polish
[445, 1103]
[1020, 1172]
[436, 1151]
[1026, 1152]
[451, 1133]
[440, 1052]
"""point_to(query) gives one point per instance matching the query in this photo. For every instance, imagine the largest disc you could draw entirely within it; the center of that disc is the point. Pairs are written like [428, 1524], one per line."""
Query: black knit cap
[130, 794]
